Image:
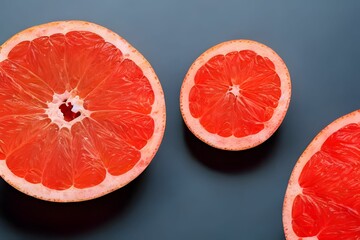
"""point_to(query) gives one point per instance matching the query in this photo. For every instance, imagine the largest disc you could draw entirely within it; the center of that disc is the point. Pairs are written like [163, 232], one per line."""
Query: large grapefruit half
[322, 199]
[82, 112]
[235, 95]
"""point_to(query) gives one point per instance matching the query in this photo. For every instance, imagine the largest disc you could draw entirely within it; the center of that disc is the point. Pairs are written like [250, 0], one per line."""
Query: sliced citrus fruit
[82, 112]
[322, 200]
[235, 95]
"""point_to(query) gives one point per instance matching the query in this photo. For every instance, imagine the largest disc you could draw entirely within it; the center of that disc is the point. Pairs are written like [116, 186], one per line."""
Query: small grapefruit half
[235, 95]
[322, 200]
[82, 112]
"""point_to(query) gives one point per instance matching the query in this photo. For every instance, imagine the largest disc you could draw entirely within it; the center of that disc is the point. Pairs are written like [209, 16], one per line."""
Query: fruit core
[235, 90]
[66, 109]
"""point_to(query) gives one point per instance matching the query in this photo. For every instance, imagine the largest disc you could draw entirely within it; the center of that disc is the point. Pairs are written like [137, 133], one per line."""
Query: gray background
[192, 191]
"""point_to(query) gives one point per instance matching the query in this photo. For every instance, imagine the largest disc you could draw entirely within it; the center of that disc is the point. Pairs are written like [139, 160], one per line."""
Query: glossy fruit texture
[82, 112]
[235, 95]
[322, 200]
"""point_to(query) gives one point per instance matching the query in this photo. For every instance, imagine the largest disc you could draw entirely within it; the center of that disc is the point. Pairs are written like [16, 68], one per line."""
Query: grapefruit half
[235, 95]
[322, 200]
[82, 112]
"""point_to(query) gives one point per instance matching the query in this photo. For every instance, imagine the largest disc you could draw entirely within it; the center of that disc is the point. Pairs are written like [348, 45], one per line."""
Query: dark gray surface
[191, 191]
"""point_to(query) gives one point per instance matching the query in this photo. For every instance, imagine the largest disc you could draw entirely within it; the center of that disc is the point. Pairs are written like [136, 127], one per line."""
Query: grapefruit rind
[294, 189]
[233, 143]
[158, 113]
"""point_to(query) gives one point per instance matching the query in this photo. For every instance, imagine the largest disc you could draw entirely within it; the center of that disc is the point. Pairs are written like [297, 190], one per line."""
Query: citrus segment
[89, 167]
[43, 57]
[235, 95]
[128, 78]
[82, 112]
[26, 81]
[133, 128]
[17, 130]
[118, 156]
[323, 196]
[19, 102]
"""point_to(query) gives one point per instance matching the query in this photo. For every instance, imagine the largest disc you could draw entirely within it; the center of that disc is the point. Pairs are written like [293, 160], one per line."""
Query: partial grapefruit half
[235, 95]
[322, 199]
[82, 112]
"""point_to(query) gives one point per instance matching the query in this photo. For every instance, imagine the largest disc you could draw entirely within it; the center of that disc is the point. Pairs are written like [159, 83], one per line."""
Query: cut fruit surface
[82, 112]
[322, 199]
[235, 95]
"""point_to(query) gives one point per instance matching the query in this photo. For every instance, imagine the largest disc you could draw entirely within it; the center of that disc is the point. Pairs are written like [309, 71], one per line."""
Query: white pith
[54, 113]
[235, 90]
